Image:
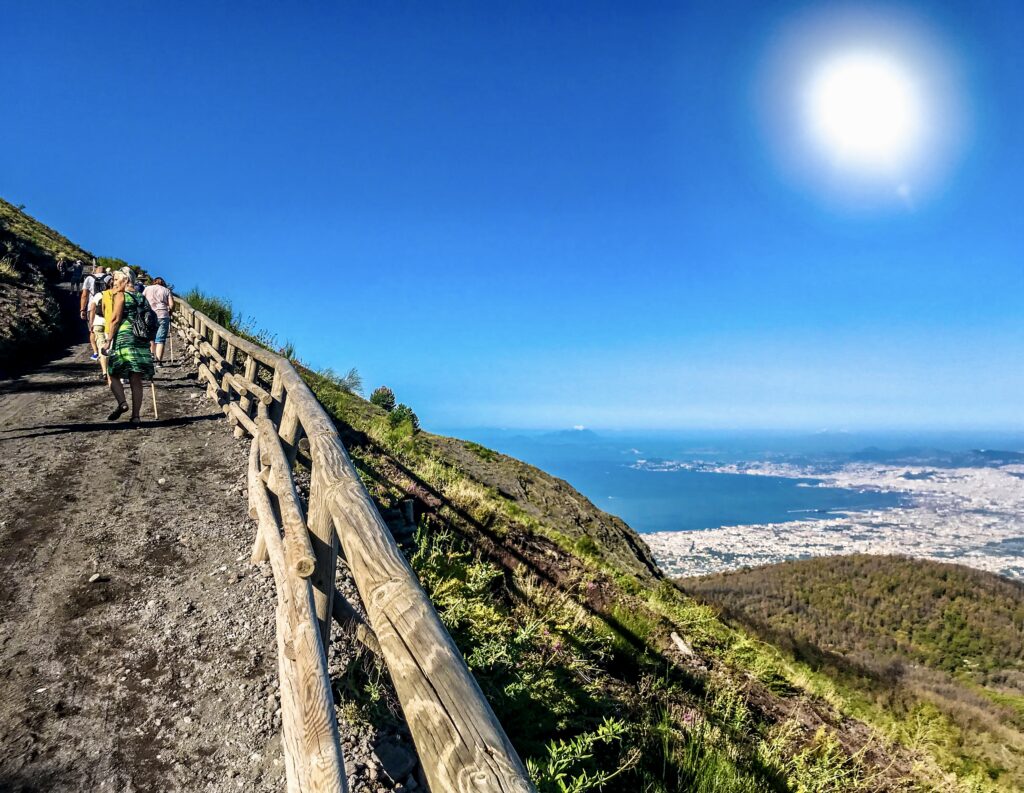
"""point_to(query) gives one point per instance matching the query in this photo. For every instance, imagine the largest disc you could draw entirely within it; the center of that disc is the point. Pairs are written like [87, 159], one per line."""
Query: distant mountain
[975, 458]
[571, 436]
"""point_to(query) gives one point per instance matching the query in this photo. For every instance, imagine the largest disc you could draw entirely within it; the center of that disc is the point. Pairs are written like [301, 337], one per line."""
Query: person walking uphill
[162, 303]
[92, 285]
[129, 356]
[99, 308]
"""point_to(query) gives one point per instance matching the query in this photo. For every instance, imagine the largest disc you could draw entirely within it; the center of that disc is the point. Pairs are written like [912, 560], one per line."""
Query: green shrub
[351, 382]
[569, 766]
[383, 397]
[403, 414]
[585, 546]
[8, 272]
[216, 308]
[481, 451]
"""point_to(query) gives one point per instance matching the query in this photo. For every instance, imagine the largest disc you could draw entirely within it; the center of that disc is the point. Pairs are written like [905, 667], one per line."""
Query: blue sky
[538, 215]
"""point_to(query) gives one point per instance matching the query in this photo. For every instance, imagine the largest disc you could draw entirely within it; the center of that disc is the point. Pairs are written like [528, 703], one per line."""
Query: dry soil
[136, 641]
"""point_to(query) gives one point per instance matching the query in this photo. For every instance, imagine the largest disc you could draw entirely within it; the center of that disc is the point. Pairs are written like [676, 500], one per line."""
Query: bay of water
[687, 500]
[684, 500]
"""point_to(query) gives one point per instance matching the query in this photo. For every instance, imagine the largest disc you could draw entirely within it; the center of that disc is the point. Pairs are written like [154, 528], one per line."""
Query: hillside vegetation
[910, 635]
[30, 315]
[26, 238]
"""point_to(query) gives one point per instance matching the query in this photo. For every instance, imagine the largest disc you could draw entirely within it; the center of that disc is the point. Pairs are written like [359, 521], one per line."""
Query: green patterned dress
[128, 354]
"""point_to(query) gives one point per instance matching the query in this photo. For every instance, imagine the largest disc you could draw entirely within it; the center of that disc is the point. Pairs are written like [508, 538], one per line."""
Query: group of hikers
[70, 272]
[128, 324]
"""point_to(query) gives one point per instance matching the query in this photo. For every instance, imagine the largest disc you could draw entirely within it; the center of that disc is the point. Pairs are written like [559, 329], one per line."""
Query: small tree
[351, 382]
[383, 397]
[403, 413]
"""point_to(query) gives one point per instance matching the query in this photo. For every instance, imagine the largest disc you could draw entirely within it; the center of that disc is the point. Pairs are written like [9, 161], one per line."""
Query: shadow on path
[26, 386]
[105, 426]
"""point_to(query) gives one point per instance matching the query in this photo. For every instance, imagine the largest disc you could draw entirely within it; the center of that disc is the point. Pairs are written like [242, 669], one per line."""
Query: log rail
[461, 745]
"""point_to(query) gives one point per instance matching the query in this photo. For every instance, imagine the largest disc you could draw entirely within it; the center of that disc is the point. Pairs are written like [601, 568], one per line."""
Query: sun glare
[864, 111]
[864, 106]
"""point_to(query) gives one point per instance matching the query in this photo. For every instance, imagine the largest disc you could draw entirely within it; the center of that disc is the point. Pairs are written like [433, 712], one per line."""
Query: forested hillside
[909, 634]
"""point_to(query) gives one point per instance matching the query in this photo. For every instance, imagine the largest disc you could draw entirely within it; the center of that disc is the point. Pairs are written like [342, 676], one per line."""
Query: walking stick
[152, 390]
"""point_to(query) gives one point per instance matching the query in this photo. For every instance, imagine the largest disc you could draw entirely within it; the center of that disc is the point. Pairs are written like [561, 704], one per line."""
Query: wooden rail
[461, 745]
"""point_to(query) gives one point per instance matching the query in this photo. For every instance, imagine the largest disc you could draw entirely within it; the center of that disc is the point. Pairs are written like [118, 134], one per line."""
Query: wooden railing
[461, 745]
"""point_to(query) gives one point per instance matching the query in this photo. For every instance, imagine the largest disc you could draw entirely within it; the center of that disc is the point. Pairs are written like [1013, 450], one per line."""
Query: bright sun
[864, 110]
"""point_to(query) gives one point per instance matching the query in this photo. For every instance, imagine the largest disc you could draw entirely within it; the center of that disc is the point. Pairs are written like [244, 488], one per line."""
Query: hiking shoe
[94, 357]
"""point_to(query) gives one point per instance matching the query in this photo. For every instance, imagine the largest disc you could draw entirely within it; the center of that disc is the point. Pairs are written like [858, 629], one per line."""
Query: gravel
[137, 647]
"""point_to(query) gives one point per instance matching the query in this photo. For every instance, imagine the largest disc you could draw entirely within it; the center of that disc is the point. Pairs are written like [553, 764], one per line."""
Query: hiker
[162, 303]
[90, 287]
[76, 274]
[99, 308]
[128, 356]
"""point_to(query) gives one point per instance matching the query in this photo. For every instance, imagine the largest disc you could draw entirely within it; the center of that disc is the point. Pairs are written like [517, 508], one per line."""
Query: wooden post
[279, 395]
[325, 549]
[197, 323]
[299, 551]
[245, 402]
[290, 431]
[310, 740]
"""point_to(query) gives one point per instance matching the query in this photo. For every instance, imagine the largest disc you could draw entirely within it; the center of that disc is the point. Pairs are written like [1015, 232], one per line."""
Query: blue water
[685, 500]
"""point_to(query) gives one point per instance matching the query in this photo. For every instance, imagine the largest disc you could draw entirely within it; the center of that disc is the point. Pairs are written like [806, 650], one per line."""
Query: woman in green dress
[128, 357]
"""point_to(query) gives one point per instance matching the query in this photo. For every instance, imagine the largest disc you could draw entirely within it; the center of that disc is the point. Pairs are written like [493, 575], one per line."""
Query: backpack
[142, 318]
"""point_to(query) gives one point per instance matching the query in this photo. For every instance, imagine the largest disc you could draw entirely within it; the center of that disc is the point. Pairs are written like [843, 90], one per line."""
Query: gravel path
[136, 640]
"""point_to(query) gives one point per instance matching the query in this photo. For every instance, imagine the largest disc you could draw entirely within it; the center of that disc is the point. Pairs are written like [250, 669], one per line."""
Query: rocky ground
[136, 640]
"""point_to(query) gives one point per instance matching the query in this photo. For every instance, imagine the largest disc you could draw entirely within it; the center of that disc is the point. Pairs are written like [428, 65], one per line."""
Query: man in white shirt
[98, 328]
[91, 286]
[162, 302]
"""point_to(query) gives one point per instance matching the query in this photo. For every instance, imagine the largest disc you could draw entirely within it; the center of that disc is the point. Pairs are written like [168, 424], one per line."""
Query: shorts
[100, 334]
[163, 325]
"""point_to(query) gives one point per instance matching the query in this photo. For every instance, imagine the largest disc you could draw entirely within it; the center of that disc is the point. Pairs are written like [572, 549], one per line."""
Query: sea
[618, 472]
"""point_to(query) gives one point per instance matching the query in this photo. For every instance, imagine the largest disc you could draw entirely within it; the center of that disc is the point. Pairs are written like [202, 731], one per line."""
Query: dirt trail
[161, 674]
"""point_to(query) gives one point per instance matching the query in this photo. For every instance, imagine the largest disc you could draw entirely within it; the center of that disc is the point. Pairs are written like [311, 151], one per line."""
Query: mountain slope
[30, 312]
[912, 635]
[505, 549]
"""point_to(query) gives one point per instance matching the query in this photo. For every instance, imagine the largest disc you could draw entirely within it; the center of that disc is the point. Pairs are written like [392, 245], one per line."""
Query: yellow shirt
[108, 309]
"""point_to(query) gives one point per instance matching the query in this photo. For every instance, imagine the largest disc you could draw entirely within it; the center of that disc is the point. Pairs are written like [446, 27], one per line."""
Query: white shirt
[97, 302]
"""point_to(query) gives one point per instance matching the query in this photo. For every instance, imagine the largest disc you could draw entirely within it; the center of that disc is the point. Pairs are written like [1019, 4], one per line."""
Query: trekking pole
[152, 390]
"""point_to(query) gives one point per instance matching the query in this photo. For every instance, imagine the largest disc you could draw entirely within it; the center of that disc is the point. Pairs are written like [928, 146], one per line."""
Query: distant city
[970, 515]
[717, 501]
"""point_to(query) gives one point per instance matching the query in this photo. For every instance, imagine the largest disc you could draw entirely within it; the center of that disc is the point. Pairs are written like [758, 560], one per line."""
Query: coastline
[969, 516]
